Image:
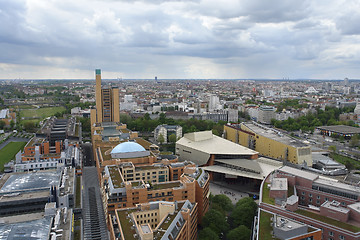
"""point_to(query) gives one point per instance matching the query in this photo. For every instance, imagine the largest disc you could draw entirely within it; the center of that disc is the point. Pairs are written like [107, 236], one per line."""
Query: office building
[269, 142]
[107, 102]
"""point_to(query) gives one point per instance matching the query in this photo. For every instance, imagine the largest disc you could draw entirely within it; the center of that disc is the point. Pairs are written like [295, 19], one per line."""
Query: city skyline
[175, 39]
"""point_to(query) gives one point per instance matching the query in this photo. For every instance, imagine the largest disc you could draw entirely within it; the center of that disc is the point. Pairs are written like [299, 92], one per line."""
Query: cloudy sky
[317, 39]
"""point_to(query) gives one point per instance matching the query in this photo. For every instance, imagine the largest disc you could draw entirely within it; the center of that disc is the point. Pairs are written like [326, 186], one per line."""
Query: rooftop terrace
[115, 176]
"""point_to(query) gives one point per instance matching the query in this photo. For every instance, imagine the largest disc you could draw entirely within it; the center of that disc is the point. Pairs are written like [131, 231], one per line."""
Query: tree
[332, 148]
[349, 165]
[223, 201]
[172, 138]
[354, 140]
[239, 233]
[12, 124]
[161, 139]
[208, 234]
[216, 221]
[162, 118]
[2, 124]
[29, 126]
[244, 212]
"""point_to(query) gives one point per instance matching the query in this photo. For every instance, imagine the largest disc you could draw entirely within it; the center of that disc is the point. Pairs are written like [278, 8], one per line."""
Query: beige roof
[208, 143]
[257, 169]
[230, 171]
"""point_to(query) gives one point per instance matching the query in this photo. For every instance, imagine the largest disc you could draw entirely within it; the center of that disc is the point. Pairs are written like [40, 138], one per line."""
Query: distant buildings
[269, 142]
[7, 116]
[165, 131]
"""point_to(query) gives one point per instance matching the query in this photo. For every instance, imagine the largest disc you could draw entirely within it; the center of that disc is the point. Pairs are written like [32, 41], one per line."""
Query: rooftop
[115, 176]
[279, 184]
[28, 226]
[128, 147]
[30, 181]
[211, 144]
[274, 134]
[335, 206]
[160, 186]
[299, 173]
[341, 129]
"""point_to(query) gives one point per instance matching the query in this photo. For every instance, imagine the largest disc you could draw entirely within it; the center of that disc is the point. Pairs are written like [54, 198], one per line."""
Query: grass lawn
[40, 112]
[343, 159]
[265, 226]
[8, 152]
[265, 196]
[78, 192]
[328, 220]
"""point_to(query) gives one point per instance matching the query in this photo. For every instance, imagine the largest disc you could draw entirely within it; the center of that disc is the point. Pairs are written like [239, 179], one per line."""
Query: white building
[166, 131]
[266, 113]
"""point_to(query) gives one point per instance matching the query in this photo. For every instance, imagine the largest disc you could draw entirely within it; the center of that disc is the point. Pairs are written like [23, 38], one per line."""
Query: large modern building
[37, 205]
[223, 159]
[107, 103]
[321, 202]
[269, 142]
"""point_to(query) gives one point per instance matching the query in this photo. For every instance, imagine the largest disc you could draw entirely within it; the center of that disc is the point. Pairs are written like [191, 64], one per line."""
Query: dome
[128, 147]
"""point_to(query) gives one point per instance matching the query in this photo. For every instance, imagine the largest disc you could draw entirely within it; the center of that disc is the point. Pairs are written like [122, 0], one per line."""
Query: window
[326, 199]
[310, 199]
[331, 233]
[341, 237]
[310, 195]
[303, 193]
[318, 197]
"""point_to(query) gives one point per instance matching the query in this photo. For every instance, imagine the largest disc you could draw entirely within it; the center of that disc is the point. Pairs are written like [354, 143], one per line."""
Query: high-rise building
[107, 102]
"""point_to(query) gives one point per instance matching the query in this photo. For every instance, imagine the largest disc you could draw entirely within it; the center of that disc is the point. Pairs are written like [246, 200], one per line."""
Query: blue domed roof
[126, 147]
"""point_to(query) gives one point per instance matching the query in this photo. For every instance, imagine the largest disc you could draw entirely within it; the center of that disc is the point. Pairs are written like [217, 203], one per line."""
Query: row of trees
[329, 116]
[226, 221]
[146, 124]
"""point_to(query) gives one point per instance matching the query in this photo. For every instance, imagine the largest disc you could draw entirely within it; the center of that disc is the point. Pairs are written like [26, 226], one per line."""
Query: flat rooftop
[331, 183]
[30, 181]
[274, 135]
[279, 184]
[299, 173]
[343, 129]
[335, 206]
[27, 226]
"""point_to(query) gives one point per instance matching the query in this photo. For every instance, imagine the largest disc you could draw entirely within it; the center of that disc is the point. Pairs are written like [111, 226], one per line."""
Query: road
[88, 159]
[93, 212]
